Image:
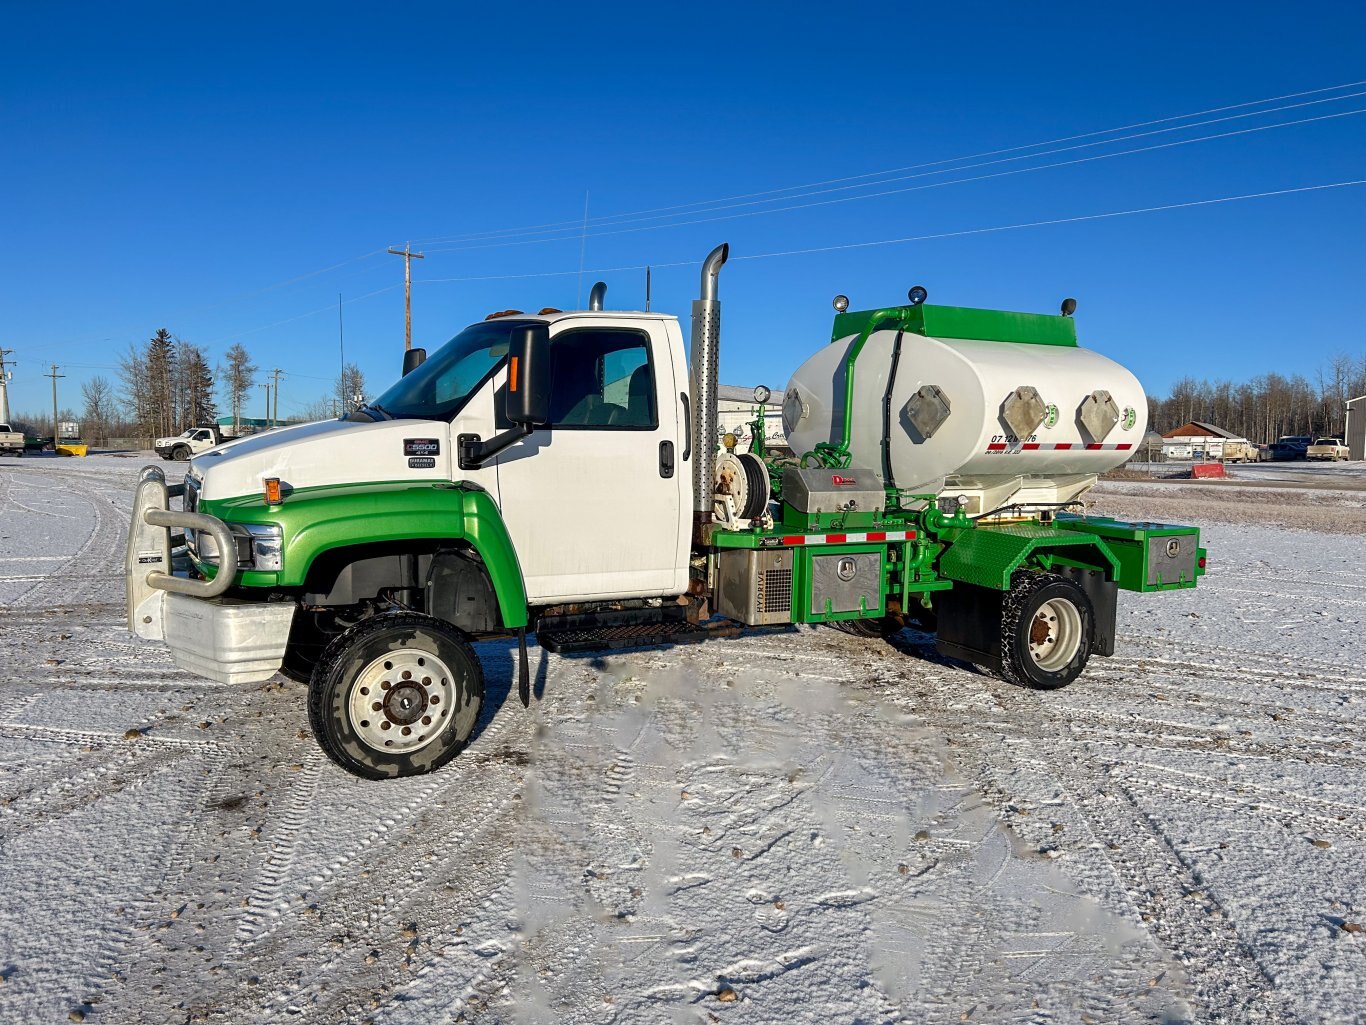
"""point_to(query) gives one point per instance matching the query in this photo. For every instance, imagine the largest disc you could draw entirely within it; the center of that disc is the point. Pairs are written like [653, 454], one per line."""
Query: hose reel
[741, 488]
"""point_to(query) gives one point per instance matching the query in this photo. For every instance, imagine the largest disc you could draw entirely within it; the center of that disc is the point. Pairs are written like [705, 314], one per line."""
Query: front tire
[180, 453]
[1047, 626]
[397, 694]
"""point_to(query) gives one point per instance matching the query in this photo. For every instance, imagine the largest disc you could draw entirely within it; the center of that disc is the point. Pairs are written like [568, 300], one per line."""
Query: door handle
[666, 459]
[687, 427]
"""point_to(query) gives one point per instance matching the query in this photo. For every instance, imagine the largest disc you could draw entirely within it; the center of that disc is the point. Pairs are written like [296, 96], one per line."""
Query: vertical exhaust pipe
[597, 295]
[706, 338]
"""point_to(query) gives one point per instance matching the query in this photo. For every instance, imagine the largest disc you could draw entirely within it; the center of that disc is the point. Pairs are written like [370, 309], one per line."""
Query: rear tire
[1047, 626]
[871, 628]
[397, 694]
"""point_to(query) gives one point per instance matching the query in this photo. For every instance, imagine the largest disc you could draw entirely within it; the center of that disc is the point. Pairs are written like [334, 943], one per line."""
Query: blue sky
[226, 172]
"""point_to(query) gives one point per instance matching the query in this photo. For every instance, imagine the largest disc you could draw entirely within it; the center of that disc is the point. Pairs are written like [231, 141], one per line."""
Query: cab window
[602, 378]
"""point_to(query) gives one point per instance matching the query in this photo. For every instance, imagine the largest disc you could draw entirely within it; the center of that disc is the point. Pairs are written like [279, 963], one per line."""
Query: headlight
[259, 546]
[264, 545]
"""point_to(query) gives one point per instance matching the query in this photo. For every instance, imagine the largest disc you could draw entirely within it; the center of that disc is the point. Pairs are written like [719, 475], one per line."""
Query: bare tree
[350, 388]
[135, 393]
[239, 376]
[98, 397]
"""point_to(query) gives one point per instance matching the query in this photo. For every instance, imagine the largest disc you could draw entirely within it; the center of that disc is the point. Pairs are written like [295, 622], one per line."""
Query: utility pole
[54, 375]
[275, 417]
[4, 385]
[408, 257]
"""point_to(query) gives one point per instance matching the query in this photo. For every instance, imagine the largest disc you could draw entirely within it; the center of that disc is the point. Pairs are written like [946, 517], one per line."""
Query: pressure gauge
[762, 394]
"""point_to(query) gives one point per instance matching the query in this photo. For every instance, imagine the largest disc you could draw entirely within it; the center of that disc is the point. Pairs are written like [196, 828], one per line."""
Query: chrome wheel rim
[402, 701]
[1055, 635]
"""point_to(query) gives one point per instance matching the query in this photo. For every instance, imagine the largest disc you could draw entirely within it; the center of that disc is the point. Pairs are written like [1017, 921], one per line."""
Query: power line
[620, 218]
[935, 185]
[931, 236]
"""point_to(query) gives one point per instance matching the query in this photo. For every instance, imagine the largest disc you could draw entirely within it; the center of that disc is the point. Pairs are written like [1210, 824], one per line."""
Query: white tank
[975, 379]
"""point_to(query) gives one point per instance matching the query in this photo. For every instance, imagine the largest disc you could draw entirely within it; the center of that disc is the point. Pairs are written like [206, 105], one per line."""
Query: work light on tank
[762, 394]
[1069, 307]
[917, 295]
[840, 302]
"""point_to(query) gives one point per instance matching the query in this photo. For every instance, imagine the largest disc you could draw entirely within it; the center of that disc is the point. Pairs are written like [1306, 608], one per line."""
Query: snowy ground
[793, 828]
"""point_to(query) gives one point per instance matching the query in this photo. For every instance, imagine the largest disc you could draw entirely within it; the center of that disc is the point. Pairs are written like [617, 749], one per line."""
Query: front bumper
[221, 639]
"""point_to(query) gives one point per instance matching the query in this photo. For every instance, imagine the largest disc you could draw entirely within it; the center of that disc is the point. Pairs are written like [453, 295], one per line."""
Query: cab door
[594, 500]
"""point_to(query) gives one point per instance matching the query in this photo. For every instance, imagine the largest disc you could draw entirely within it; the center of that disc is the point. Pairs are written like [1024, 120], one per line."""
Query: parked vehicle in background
[1263, 454]
[191, 443]
[1240, 452]
[11, 442]
[1297, 444]
[1328, 450]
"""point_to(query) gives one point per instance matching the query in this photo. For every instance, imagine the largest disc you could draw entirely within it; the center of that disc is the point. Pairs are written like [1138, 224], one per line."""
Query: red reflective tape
[876, 535]
[998, 447]
[834, 539]
[1030, 446]
[794, 539]
[1063, 445]
[1093, 446]
[1125, 447]
[910, 535]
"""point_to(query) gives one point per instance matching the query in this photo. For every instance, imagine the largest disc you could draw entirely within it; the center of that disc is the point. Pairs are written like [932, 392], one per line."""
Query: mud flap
[523, 669]
[970, 624]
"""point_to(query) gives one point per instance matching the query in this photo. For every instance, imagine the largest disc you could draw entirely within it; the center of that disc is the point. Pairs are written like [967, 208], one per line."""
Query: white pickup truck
[1328, 450]
[11, 442]
[191, 443]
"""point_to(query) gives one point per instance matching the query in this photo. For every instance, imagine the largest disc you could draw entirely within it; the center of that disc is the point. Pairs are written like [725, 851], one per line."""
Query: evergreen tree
[159, 366]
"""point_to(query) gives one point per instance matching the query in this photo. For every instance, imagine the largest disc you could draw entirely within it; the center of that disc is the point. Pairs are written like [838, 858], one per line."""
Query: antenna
[341, 334]
[647, 288]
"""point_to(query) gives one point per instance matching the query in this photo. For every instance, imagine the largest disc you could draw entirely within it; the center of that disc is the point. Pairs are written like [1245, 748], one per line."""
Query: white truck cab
[189, 443]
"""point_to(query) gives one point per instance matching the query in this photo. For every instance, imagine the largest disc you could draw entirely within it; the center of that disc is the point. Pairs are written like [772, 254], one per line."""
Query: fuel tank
[926, 408]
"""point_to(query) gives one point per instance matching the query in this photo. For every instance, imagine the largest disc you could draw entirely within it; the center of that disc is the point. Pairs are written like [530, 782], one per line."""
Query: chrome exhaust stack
[597, 295]
[706, 338]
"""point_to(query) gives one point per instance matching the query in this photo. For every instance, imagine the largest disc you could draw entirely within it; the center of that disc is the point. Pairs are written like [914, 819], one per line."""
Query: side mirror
[412, 359]
[528, 393]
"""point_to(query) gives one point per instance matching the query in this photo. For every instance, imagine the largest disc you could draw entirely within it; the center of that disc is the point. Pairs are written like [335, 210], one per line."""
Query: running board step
[627, 628]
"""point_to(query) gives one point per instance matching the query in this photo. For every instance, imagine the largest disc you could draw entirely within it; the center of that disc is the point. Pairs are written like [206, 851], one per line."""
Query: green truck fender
[1134, 556]
[318, 520]
[988, 556]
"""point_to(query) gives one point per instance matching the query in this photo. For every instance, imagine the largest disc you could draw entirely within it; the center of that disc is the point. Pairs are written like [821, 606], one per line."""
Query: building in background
[735, 412]
[1356, 427]
[1201, 441]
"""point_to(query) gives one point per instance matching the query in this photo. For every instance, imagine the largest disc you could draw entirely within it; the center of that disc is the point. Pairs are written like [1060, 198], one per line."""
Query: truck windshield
[439, 388]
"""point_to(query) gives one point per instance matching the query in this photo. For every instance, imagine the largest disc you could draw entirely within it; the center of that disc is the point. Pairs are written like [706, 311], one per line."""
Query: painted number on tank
[1011, 439]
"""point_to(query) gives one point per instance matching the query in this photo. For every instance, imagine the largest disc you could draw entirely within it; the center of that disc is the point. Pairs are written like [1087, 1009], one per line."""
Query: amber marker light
[273, 491]
[512, 374]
